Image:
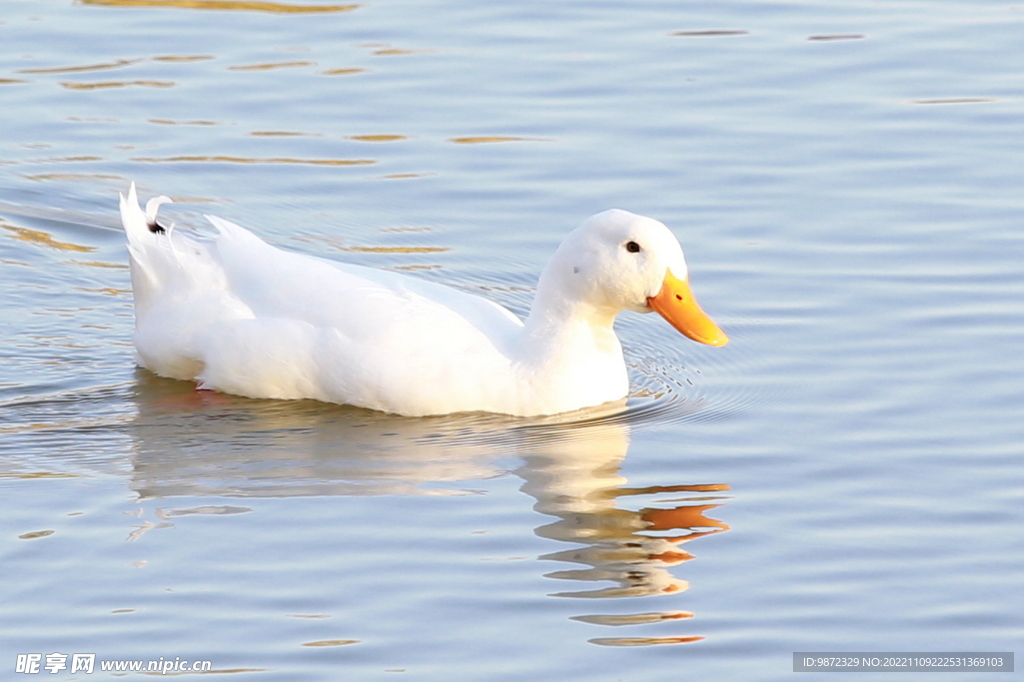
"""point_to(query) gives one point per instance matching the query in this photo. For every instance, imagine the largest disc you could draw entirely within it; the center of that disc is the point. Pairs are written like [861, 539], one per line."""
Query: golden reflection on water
[169, 122]
[254, 6]
[44, 238]
[340, 245]
[271, 65]
[282, 133]
[395, 249]
[72, 177]
[406, 176]
[36, 534]
[711, 33]
[490, 139]
[78, 69]
[71, 159]
[377, 138]
[831, 37]
[386, 50]
[417, 267]
[184, 58]
[956, 100]
[90, 119]
[117, 84]
[250, 159]
[99, 264]
[397, 51]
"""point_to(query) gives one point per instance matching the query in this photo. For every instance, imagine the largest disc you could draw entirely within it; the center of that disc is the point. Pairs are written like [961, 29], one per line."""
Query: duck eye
[632, 247]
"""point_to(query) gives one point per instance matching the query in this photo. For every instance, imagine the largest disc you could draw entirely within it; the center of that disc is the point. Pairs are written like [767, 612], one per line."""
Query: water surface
[845, 475]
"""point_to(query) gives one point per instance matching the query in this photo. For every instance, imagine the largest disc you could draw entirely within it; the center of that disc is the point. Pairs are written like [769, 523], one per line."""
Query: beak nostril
[676, 304]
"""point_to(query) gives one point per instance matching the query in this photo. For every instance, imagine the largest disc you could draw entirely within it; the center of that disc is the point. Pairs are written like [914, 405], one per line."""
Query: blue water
[846, 475]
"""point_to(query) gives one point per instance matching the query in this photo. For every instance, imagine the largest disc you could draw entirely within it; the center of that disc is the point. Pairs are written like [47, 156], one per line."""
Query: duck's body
[239, 316]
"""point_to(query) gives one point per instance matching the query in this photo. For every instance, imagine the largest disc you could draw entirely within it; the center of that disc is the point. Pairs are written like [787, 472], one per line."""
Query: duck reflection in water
[187, 444]
[577, 480]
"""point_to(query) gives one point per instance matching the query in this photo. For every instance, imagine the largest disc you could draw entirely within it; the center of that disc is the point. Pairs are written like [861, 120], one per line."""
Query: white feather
[239, 316]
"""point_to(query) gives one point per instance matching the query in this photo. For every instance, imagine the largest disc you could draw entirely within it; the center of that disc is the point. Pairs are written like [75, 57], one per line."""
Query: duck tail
[149, 246]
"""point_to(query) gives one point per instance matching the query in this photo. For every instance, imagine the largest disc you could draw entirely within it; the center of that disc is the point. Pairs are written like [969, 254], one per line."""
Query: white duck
[240, 316]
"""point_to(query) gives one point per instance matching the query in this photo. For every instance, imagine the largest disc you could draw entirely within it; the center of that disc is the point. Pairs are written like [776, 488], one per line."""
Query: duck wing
[241, 316]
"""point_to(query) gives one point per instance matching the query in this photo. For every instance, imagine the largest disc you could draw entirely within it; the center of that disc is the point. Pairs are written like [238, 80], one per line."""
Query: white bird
[237, 315]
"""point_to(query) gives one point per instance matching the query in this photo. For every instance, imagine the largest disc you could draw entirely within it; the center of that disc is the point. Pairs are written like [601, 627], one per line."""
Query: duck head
[617, 260]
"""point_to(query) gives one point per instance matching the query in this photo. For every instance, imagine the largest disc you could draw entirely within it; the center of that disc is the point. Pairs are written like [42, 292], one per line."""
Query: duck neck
[571, 355]
[559, 320]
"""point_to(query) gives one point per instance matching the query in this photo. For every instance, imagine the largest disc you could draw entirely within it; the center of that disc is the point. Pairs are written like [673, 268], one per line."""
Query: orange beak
[675, 302]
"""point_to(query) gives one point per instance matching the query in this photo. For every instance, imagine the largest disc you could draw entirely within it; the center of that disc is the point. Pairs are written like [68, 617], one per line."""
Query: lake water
[846, 475]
